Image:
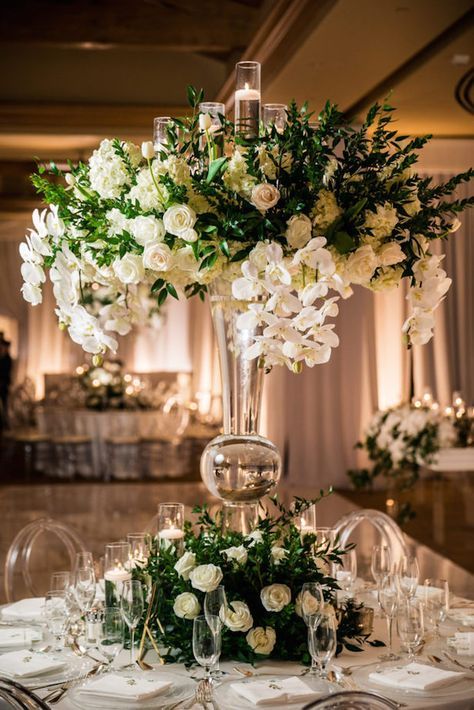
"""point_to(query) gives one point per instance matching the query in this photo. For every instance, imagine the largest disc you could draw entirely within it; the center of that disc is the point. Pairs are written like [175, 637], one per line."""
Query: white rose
[147, 229]
[148, 150]
[238, 618]
[206, 578]
[32, 273]
[255, 536]
[179, 219]
[186, 606]
[265, 196]
[261, 640]
[298, 232]
[157, 257]
[205, 121]
[185, 565]
[129, 269]
[239, 554]
[390, 254]
[32, 294]
[275, 597]
[361, 264]
[190, 235]
[381, 222]
[278, 554]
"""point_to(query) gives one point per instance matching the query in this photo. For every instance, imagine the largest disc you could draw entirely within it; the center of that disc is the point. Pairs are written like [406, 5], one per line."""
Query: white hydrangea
[107, 172]
[326, 210]
[382, 222]
[148, 192]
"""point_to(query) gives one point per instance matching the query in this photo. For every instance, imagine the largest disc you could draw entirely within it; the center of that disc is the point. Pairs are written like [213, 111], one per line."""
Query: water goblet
[436, 601]
[56, 615]
[132, 605]
[408, 574]
[111, 633]
[322, 642]
[215, 605]
[388, 597]
[410, 625]
[207, 644]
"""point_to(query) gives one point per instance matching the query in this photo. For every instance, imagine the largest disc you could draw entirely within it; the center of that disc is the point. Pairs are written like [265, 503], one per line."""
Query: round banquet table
[99, 427]
[346, 658]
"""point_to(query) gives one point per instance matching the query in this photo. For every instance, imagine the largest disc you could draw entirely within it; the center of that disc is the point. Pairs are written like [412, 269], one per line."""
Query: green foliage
[304, 561]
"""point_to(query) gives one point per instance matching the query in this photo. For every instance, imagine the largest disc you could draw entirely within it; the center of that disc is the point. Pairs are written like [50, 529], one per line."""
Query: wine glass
[322, 641]
[436, 601]
[111, 633]
[388, 597]
[132, 605]
[408, 574]
[84, 560]
[410, 625]
[380, 565]
[55, 612]
[347, 576]
[60, 581]
[312, 601]
[207, 644]
[84, 587]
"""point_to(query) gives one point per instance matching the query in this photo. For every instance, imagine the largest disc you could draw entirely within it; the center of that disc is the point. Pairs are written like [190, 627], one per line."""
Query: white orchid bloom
[39, 221]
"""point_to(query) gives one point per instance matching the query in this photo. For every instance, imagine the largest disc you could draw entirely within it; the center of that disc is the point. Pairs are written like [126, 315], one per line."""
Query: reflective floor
[106, 512]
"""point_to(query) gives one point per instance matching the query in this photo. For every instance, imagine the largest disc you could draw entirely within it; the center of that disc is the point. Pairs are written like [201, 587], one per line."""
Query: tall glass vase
[239, 466]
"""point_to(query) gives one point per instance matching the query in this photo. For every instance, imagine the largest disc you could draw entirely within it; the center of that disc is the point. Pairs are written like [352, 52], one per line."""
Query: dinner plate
[226, 697]
[465, 686]
[75, 667]
[182, 687]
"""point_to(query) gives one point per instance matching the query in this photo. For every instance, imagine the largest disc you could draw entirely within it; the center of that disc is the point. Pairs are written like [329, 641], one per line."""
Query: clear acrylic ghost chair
[16, 695]
[20, 553]
[352, 700]
[391, 534]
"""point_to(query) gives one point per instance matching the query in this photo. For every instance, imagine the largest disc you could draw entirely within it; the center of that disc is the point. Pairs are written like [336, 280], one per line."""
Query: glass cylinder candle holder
[247, 99]
[160, 132]
[275, 115]
[140, 545]
[171, 524]
[116, 570]
[307, 521]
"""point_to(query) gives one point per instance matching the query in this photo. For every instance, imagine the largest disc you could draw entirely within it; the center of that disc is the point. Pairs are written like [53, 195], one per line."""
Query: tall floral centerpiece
[276, 220]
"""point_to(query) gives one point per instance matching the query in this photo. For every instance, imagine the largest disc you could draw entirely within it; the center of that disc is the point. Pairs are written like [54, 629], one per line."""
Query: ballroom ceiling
[80, 70]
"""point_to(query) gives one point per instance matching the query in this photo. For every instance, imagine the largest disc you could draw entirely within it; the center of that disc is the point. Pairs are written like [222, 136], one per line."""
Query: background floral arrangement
[293, 219]
[262, 573]
[400, 440]
[108, 387]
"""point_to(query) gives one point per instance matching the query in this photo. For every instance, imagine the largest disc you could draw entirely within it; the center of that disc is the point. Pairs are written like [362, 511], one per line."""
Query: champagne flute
[408, 574]
[215, 605]
[111, 634]
[322, 641]
[388, 597]
[84, 588]
[312, 604]
[55, 612]
[380, 565]
[436, 601]
[207, 644]
[410, 625]
[346, 577]
[132, 605]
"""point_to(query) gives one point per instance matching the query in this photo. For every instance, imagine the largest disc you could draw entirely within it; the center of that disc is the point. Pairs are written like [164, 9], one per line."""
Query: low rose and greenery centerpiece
[262, 573]
[295, 217]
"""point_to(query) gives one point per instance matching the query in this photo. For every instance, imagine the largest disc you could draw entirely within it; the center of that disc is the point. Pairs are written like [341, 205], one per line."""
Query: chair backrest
[21, 549]
[391, 534]
[16, 695]
[352, 700]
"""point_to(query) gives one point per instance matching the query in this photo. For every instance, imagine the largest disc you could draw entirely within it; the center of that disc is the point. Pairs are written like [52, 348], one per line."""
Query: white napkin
[24, 610]
[133, 687]
[18, 636]
[463, 642]
[275, 691]
[416, 676]
[465, 617]
[25, 664]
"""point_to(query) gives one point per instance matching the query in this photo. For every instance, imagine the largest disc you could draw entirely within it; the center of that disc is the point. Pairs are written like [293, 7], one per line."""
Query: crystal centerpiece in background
[239, 466]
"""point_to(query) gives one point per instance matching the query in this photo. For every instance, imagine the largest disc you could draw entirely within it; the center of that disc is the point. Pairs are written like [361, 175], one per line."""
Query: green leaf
[355, 209]
[242, 253]
[162, 296]
[343, 242]
[224, 247]
[159, 283]
[214, 167]
[171, 290]
[191, 93]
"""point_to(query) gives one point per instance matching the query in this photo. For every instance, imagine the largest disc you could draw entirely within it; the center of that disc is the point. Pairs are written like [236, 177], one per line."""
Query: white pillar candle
[171, 534]
[117, 574]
